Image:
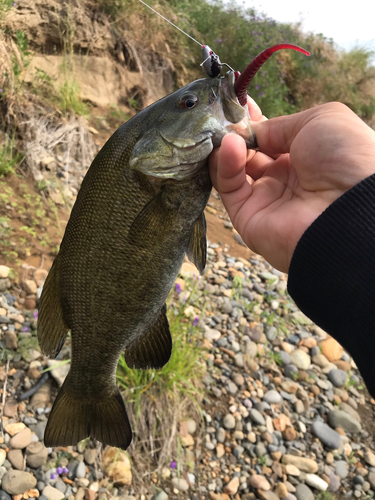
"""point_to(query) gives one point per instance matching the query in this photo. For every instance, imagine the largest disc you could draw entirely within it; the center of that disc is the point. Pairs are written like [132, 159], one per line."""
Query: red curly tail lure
[243, 80]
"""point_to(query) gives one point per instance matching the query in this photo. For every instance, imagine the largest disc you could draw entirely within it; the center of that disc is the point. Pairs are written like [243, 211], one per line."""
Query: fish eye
[188, 102]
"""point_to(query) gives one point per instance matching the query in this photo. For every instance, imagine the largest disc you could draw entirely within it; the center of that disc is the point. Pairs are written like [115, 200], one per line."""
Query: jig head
[211, 62]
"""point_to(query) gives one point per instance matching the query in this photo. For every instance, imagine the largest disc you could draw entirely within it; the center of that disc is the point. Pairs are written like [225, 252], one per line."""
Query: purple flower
[178, 288]
[14, 4]
[65, 470]
[1, 90]
[196, 321]
[218, 40]
[25, 329]
[190, 341]
[59, 470]
[53, 476]
[257, 86]
[260, 94]
[173, 464]
[36, 314]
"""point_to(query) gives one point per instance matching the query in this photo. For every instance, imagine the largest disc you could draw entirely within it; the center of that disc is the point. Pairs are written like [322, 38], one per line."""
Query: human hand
[306, 162]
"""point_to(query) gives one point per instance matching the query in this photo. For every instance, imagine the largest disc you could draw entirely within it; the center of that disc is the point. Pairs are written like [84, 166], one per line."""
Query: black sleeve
[332, 274]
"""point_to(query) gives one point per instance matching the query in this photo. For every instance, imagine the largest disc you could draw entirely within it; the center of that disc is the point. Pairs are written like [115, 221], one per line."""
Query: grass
[9, 157]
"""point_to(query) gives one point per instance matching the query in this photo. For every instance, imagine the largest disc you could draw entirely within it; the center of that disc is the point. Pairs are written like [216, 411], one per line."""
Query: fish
[139, 211]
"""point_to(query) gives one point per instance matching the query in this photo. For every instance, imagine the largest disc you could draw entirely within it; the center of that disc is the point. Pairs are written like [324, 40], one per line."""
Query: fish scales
[138, 213]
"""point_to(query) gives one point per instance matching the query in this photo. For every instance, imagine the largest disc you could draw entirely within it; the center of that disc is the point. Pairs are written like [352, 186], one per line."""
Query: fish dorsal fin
[52, 329]
[197, 251]
[151, 222]
[153, 349]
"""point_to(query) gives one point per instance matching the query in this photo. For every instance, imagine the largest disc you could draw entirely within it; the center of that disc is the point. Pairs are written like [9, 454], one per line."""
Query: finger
[227, 164]
[257, 165]
[254, 110]
[276, 136]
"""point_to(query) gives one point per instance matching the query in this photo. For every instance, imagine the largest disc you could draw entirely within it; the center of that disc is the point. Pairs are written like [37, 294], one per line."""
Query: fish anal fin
[197, 251]
[72, 420]
[151, 222]
[52, 329]
[153, 349]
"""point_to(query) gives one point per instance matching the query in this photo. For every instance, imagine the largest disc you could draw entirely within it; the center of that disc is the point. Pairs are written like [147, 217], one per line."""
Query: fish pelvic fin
[197, 251]
[72, 420]
[153, 349]
[52, 329]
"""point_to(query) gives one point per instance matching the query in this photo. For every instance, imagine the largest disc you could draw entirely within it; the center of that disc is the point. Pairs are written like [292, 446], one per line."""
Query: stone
[369, 457]
[160, 496]
[80, 471]
[21, 439]
[11, 340]
[30, 287]
[15, 457]
[53, 493]
[341, 469]
[303, 492]
[3, 455]
[342, 419]
[289, 434]
[17, 482]
[60, 372]
[267, 495]
[290, 371]
[320, 360]
[259, 482]
[231, 488]
[4, 271]
[256, 417]
[331, 349]
[304, 464]
[292, 470]
[36, 460]
[116, 465]
[300, 359]
[180, 483]
[281, 490]
[337, 377]
[326, 435]
[229, 422]
[221, 434]
[90, 456]
[272, 397]
[316, 482]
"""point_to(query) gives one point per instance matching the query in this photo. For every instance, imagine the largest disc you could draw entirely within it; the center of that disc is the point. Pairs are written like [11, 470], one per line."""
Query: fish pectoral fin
[150, 224]
[52, 329]
[72, 420]
[153, 349]
[197, 251]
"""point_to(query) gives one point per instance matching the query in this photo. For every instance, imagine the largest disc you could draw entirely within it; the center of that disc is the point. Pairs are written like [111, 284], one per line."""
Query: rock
[90, 456]
[116, 465]
[300, 359]
[369, 457]
[36, 460]
[229, 422]
[292, 470]
[10, 408]
[4, 496]
[290, 371]
[341, 469]
[180, 483]
[303, 492]
[303, 464]
[334, 483]
[257, 417]
[331, 349]
[17, 482]
[289, 434]
[326, 434]
[30, 287]
[3, 455]
[259, 482]
[281, 490]
[53, 493]
[342, 419]
[337, 377]
[4, 271]
[371, 478]
[42, 397]
[212, 334]
[232, 487]
[272, 397]
[80, 471]
[320, 360]
[221, 434]
[21, 439]
[4, 284]
[15, 457]
[316, 482]
[13, 429]
[160, 496]
[267, 495]
[11, 340]
[60, 372]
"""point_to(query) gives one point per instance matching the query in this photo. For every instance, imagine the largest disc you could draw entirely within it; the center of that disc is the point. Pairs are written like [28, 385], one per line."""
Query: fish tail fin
[72, 420]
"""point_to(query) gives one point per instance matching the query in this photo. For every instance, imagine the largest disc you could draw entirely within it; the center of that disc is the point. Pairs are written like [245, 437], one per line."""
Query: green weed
[9, 157]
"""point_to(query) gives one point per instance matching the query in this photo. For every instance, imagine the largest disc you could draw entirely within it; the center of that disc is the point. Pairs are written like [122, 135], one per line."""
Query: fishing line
[170, 22]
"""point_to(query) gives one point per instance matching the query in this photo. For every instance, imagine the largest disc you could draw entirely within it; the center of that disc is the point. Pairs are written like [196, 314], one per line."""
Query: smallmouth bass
[138, 213]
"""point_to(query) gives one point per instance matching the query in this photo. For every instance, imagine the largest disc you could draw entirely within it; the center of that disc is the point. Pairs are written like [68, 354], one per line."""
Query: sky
[349, 23]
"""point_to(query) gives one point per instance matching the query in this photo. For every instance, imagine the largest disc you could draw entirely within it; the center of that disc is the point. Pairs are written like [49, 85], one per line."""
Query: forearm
[332, 274]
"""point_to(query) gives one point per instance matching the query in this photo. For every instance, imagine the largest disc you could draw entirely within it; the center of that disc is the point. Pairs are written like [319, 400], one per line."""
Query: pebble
[342, 419]
[272, 397]
[259, 482]
[326, 434]
[316, 482]
[303, 492]
[21, 439]
[17, 482]
[80, 470]
[300, 359]
[52, 493]
[337, 377]
[257, 417]
[341, 469]
[302, 463]
[229, 421]
[180, 483]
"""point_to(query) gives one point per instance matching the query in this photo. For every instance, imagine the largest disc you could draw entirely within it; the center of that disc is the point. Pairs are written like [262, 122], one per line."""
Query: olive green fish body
[138, 213]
